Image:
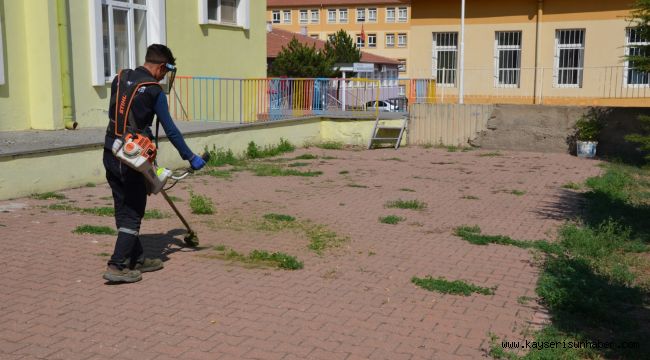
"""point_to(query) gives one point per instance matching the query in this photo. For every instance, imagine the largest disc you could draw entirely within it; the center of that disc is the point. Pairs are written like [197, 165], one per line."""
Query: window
[372, 40]
[331, 15]
[360, 41]
[313, 36]
[361, 15]
[569, 57]
[390, 14]
[304, 17]
[286, 15]
[402, 65]
[445, 51]
[121, 32]
[634, 46]
[507, 61]
[224, 12]
[390, 40]
[315, 16]
[343, 16]
[276, 17]
[401, 40]
[372, 15]
[402, 14]
[331, 37]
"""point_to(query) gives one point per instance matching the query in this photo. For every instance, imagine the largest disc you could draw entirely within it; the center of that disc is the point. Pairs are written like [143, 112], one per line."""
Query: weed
[175, 198]
[90, 184]
[517, 192]
[274, 170]
[220, 247]
[407, 190]
[371, 253]
[357, 186]
[92, 229]
[470, 197]
[452, 148]
[253, 151]
[490, 154]
[260, 257]
[219, 157]
[329, 157]
[523, 300]
[155, 214]
[406, 204]
[427, 145]
[48, 195]
[393, 159]
[330, 145]
[391, 219]
[456, 287]
[103, 254]
[474, 236]
[298, 164]
[572, 186]
[306, 157]
[201, 204]
[321, 238]
[225, 174]
[279, 217]
[343, 172]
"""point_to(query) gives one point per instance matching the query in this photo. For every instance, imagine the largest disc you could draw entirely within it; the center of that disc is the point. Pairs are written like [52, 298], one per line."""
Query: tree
[342, 49]
[640, 59]
[641, 20]
[299, 60]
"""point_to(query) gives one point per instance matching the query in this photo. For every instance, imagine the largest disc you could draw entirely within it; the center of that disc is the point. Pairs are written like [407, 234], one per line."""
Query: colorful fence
[252, 100]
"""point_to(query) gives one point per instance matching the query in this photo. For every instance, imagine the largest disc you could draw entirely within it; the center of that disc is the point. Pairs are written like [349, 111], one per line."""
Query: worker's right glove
[197, 162]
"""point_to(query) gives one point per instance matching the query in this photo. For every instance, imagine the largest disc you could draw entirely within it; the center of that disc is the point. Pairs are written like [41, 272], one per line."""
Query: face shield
[171, 76]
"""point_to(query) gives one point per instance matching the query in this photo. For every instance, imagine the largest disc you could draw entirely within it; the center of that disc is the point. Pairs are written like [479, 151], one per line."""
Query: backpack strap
[126, 92]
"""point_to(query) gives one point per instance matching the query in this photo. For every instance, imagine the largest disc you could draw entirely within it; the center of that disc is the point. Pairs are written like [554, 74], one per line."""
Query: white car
[381, 105]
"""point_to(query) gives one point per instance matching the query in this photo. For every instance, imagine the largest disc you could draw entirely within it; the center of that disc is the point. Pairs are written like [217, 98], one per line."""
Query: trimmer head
[191, 239]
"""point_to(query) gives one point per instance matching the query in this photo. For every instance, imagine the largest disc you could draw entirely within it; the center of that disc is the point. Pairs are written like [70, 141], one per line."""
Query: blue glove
[197, 162]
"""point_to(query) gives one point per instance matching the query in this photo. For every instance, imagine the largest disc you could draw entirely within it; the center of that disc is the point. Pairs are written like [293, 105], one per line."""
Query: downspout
[64, 60]
[538, 45]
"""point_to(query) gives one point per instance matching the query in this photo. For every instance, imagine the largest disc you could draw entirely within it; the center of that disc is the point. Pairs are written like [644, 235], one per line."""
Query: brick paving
[355, 302]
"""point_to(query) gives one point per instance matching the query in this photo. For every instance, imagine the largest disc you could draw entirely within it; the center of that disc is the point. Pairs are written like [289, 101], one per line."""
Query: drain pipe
[64, 60]
[538, 50]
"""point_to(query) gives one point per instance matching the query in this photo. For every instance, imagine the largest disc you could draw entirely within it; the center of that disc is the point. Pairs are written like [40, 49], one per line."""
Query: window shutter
[96, 43]
[244, 14]
[203, 12]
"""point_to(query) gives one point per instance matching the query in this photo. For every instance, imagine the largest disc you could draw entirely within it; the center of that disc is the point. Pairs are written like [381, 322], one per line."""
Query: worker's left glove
[197, 162]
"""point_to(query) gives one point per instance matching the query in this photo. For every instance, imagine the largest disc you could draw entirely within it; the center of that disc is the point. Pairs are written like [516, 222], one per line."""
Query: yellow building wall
[604, 22]
[352, 27]
[14, 97]
[31, 96]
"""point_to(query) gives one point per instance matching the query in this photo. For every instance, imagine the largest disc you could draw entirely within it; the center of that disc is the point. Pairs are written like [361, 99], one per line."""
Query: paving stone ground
[355, 302]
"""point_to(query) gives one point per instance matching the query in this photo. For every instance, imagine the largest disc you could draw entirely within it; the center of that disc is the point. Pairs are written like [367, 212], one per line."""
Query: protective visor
[171, 73]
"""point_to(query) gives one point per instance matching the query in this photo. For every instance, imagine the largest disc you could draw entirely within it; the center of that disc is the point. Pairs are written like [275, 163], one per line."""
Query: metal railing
[251, 100]
[610, 85]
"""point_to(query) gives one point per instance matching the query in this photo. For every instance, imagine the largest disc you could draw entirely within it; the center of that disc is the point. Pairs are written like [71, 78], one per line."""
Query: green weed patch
[391, 219]
[201, 205]
[96, 230]
[407, 204]
[48, 195]
[456, 287]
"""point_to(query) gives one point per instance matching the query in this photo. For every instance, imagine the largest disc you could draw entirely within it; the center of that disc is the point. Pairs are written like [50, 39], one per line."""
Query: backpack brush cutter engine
[138, 152]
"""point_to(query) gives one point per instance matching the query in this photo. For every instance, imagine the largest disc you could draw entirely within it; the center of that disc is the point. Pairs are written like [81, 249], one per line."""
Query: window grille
[331, 15]
[361, 15]
[401, 40]
[343, 15]
[390, 14]
[635, 45]
[372, 40]
[569, 57]
[507, 59]
[372, 15]
[445, 54]
[390, 40]
[402, 14]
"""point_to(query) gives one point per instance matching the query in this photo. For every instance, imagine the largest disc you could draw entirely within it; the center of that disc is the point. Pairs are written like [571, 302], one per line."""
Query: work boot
[148, 265]
[126, 275]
